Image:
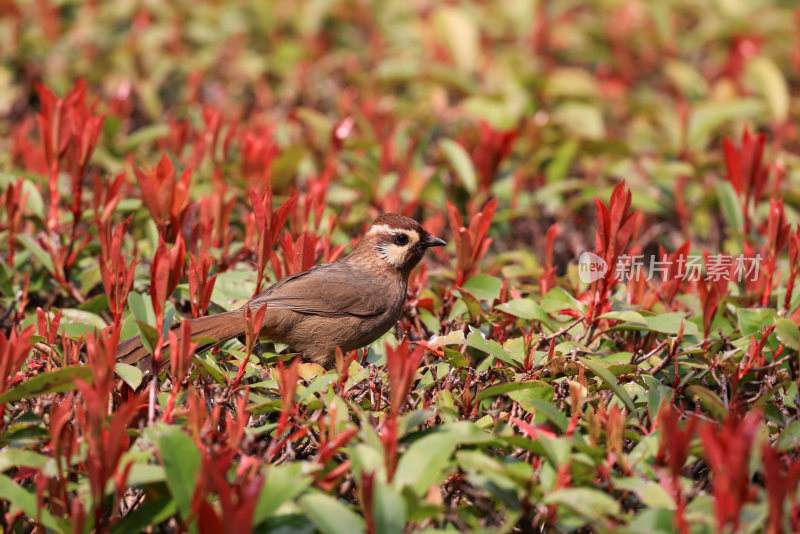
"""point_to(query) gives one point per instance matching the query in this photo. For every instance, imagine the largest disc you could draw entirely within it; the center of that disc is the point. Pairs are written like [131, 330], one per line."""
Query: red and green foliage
[168, 160]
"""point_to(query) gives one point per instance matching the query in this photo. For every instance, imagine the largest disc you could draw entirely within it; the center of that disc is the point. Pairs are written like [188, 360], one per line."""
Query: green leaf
[708, 400]
[424, 462]
[557, 299]
[389, 509]
[670, 323]
[35, 204]
[708, 116]
[628, 316]
[53, 382]
[210, 366]
[145, 474]
[329, 515]
[543, 389]
[484, 287]
[461, 163]
[611, 381]
[143, 135]
[729, 203]
[768, 80]
[182, 463]
[524, 309]
[788, 333]
[559, 166]
[96, 304]
[476, 340]
[649, 492]
[789, 439]
[283, 483]
[471, 302]
[571, 82]
[130, 374]
[591, 504]
[141, 307]
[458, 31]
[752, 321]
[580, 119]
[232, 286]
[38, 252]
[455, 358]
[24, 500]
[12, 457]
[531, 402]
[149, 335]
[152, 512]
[76, 323]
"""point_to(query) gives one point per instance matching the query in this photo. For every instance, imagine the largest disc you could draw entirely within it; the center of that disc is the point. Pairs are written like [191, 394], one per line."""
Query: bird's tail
[213, 329]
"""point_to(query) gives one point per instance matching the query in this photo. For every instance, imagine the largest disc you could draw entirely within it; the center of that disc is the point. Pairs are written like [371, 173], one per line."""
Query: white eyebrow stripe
[378, 228]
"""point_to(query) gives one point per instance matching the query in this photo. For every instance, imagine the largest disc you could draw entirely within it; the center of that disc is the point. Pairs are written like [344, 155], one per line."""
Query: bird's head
[397, 241]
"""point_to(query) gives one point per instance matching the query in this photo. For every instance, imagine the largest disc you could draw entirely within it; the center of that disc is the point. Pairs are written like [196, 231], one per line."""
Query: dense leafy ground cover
[161, 160]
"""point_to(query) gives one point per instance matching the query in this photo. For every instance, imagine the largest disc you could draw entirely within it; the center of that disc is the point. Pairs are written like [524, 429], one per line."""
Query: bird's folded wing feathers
[331, 292]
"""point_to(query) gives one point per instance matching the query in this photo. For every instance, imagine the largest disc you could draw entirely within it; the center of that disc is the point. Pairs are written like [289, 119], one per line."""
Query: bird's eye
[401, 239]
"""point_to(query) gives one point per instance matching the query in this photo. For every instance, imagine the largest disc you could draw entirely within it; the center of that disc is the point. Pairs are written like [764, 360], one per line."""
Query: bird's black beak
[431, 241]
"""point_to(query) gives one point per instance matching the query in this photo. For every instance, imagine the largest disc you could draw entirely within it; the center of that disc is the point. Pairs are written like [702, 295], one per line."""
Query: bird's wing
[328, 290]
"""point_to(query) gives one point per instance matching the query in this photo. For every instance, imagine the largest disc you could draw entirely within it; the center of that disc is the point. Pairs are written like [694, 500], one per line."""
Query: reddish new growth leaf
[165, 273]
[367, 498]
[401, 364]
[494, 146]
[741, 50]
[63, 438]
[181, 351]
[746, 171]
[673, 450]
[220, 443]
[69, 131]
[713, 287]
[673, 445]
[794, 266]
[25, 153]
[548, 279]
[46, 327]
[13, 351]
[615, 226]
[287, 384]
[340, 132]
[300, 254]
[237, 500]
[258, 153]
[671, 279]
[100, 429]
[329, 440]
[115, 269]
[268, 224]
[165, 195]
[728, 455]
[106, 197]
[252, 328]
[755, 357]
[200, 285]
[778, 233]
[471, 243]
[781, 482]
[13, 200]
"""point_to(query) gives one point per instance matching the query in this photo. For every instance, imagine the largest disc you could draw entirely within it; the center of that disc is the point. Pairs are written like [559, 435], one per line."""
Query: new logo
[591, 267]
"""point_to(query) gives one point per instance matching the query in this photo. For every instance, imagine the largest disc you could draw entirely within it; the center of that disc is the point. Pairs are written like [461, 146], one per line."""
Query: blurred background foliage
[598, 91]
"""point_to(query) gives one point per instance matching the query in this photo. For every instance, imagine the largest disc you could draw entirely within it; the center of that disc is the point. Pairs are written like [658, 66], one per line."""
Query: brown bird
[348, 303]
